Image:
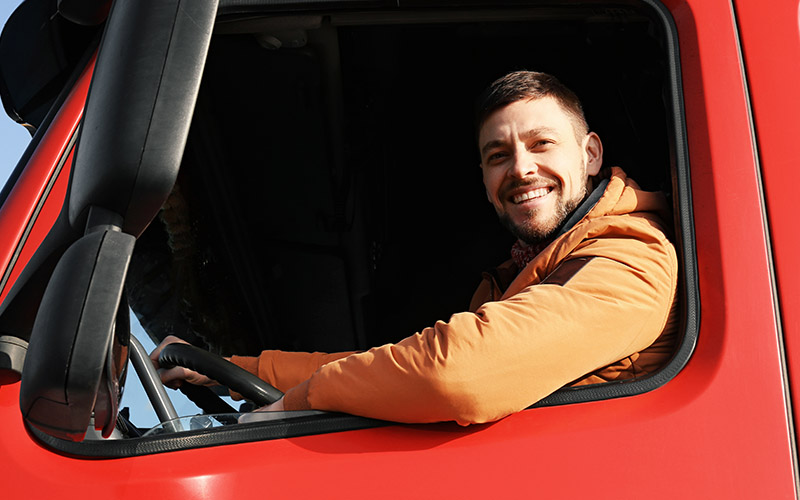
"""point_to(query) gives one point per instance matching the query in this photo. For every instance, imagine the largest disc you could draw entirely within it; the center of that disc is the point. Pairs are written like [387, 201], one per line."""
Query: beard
[532, 233]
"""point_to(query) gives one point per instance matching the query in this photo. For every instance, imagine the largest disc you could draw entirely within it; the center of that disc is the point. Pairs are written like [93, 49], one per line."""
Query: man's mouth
[530, 194]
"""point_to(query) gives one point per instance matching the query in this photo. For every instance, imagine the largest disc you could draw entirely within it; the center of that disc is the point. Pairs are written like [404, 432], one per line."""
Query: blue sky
[13, 141]
[13, 138]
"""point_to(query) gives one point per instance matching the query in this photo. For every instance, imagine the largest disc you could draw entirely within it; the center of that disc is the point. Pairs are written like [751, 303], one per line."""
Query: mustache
[536, 182]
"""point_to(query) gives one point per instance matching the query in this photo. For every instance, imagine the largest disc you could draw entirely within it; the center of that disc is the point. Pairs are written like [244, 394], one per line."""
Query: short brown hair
[526, 85]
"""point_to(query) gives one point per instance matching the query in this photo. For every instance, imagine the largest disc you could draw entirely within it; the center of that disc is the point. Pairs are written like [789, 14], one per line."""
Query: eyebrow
[489, 146]
[534, 132]
[539, 131]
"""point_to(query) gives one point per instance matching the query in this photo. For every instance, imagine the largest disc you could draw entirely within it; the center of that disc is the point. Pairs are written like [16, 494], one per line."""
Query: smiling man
[536, 160]
[588, 297]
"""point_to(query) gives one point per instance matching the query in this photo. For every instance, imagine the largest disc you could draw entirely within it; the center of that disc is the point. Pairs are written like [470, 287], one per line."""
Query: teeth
[529, 195]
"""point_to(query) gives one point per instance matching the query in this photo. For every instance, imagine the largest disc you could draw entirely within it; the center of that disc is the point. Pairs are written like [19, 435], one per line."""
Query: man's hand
[276, 406]
[253, 415]
[174, 377]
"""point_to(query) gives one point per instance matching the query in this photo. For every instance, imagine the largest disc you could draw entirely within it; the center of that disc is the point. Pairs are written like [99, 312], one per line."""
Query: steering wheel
[216, 368]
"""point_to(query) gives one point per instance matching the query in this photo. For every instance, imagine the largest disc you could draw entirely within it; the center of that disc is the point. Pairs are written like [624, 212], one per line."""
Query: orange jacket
[590, 303]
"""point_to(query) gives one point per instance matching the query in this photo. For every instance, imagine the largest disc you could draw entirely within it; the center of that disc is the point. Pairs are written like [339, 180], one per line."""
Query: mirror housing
[132, 137]
[72, 347]
[139, 108]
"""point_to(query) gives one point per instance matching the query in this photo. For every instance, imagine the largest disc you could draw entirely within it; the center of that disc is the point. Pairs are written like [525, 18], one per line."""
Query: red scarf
[522, 253]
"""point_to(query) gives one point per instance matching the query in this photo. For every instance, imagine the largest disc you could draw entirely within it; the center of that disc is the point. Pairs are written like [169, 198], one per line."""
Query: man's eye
[540, 144]
[495, 157]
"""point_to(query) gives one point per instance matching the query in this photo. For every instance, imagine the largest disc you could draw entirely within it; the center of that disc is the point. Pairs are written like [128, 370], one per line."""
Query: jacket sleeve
[285, 370]
[482, 366]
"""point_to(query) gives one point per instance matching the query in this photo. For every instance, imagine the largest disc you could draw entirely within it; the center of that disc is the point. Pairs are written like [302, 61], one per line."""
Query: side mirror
[134, 130]
[78, 349]
[139, 108]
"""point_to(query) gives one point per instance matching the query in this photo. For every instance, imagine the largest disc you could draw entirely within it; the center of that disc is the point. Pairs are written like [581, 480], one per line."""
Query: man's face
[535, 168]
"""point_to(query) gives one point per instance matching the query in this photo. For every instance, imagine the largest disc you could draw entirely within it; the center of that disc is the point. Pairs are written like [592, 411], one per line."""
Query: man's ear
[593, 151]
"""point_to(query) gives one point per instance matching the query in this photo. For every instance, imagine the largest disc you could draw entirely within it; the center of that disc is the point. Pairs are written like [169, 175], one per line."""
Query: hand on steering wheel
[205, 368]
[174, 377]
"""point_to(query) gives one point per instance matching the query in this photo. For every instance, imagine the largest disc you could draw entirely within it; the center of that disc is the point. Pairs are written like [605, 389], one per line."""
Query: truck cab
[252, 175]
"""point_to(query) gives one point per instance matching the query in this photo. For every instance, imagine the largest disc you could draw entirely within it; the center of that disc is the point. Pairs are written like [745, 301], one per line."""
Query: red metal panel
[31, 185]
[771, 44]
[44, 221]
[718, 430]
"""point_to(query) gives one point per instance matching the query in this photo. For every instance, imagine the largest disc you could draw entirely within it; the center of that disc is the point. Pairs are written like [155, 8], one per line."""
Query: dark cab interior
[330, 197]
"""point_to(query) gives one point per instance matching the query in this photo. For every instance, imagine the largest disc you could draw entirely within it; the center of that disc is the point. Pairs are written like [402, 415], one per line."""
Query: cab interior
[330, 196]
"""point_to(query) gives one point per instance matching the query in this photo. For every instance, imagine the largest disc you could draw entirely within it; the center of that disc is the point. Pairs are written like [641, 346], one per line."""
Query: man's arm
[285, 370]
[482, 366]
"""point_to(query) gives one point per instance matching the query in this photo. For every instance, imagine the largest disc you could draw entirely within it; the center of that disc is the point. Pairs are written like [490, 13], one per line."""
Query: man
[588, 297]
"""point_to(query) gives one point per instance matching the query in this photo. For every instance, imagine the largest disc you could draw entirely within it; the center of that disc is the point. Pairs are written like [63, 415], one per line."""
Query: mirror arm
[102, 219]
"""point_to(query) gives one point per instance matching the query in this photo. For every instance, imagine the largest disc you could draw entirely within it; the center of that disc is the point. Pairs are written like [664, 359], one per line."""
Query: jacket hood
[624, 196]
[643, 211]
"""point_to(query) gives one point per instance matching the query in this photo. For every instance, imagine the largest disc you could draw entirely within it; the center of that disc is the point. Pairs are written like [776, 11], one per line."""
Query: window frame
[333, 422]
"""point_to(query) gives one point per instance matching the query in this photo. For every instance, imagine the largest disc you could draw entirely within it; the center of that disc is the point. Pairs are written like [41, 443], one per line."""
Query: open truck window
[330, 176]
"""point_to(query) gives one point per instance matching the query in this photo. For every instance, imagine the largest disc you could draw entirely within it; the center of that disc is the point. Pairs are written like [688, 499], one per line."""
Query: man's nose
[524, 164]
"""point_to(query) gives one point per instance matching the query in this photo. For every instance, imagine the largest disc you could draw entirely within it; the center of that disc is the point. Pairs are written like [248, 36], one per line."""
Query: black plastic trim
[233, 7]
[84, 12]
[12, 358]
[35, 30]
[241, 433]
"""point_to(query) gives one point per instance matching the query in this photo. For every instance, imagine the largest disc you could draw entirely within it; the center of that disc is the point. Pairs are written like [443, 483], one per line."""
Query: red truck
[276, 174]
